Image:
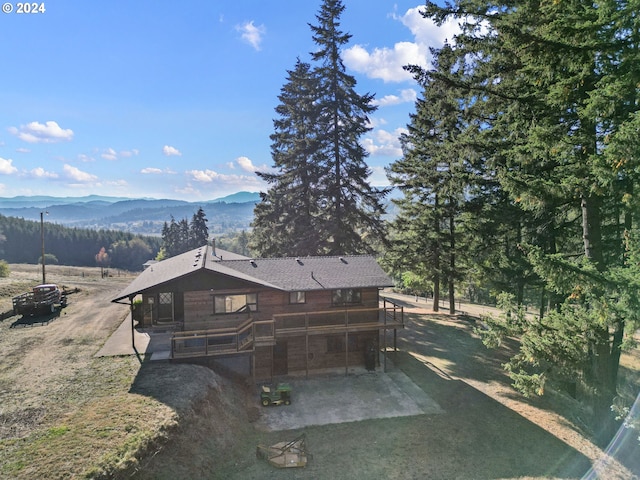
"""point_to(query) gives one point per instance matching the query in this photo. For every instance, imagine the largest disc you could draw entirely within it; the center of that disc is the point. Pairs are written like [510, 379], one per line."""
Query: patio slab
[329, 399]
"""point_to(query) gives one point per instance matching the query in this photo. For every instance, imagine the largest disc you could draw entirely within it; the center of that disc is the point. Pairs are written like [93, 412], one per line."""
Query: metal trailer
[41, 300]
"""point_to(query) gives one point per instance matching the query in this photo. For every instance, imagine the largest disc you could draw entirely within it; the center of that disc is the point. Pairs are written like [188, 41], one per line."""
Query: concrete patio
[157, 344]
[339, 398]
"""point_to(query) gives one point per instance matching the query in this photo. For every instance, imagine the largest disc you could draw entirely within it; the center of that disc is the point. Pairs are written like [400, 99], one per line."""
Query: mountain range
[136, 215]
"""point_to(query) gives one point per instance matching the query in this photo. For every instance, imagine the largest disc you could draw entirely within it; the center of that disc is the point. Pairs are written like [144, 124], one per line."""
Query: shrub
[4, 269]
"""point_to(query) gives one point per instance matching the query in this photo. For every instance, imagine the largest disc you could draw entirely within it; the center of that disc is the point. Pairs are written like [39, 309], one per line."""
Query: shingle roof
[314, 273]
[165, 271]
[287, 274]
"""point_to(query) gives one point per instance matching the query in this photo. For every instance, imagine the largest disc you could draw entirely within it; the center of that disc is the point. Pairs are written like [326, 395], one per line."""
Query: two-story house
[278, 315]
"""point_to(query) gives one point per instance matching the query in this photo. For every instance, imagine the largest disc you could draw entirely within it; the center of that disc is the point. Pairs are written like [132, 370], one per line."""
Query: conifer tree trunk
[436, 258]
[452, 265]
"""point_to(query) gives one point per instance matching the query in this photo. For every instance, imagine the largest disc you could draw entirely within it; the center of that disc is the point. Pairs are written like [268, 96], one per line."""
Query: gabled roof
[314, 273]
[287, 274]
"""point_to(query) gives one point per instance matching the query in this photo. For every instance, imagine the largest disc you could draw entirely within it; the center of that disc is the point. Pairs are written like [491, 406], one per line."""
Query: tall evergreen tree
[320, 201]
[435, 176]
[549, 77]
[353, 206]
[198, 230]
[285, 219]
[182, 236]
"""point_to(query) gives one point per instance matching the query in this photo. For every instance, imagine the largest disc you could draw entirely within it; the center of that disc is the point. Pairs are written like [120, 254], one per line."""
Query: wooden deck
[252, 333]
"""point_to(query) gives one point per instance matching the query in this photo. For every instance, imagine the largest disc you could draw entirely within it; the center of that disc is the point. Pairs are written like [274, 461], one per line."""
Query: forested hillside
[21, 242]
[144, 216]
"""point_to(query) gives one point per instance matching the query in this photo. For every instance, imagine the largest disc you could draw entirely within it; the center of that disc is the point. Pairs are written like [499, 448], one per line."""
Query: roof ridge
[362, 255]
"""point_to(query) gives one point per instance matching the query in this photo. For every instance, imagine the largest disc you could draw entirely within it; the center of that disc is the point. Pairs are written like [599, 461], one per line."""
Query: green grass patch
[55, 432]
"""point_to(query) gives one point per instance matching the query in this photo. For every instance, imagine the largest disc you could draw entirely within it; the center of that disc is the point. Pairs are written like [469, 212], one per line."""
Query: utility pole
[44, 279]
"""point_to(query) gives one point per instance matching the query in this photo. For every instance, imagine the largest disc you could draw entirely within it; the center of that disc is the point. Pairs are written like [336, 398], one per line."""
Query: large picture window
[247, 302]
[345, 296]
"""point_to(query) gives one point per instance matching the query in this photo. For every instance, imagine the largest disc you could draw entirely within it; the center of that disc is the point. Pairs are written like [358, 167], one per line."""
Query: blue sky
[176, 99]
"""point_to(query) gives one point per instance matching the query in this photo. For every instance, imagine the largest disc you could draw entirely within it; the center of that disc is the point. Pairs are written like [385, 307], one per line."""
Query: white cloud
[85, 158]
[377, 121]
[188, 191]
[387, 63]
[129, 153]
[35, 132]
[110, 154]
[78, 175]
[40, 172]
[246, 164]
[119, 184]
[23, 150]
[205, 176]
[252, 34]
[170, 151]
[156, 171]
[384, 143]
[378, 177]
[425, 31]
[407, 95]
[211, 176]
[6, 167]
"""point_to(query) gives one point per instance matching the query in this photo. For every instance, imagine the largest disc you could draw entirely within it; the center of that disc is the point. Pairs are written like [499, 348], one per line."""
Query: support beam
[133, 330]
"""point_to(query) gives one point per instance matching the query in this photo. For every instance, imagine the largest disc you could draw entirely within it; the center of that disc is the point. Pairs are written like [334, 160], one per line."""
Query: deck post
[346, 342]
[133, 330]
[306, 342]
[384, 343]
[253, 366]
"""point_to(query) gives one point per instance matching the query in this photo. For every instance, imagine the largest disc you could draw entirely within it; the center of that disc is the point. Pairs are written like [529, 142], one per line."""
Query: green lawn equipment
[279, 395]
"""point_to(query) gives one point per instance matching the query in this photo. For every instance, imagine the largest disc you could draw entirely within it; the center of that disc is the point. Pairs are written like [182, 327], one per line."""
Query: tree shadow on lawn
[451, 345]
[452, 340]
[487, 439]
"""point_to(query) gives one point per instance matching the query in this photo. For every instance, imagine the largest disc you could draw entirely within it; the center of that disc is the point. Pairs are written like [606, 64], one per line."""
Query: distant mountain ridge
[136, 215]
[43, 201]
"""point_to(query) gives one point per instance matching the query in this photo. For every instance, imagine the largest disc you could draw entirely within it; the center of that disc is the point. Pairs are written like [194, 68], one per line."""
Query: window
[343, 296]
[235, 303]
[297, 297]
[166, 298]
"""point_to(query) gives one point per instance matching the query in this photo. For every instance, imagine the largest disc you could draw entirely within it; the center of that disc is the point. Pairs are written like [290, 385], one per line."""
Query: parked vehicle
[41, 300]
[279, 395]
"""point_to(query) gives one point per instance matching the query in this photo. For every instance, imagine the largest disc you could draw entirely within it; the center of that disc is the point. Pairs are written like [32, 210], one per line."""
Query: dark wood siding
[263, 363]
[327, 351]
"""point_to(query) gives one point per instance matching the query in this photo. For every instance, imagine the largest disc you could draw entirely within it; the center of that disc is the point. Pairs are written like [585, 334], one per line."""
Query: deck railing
[339, 320]
[251, 333]
[221, 341]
